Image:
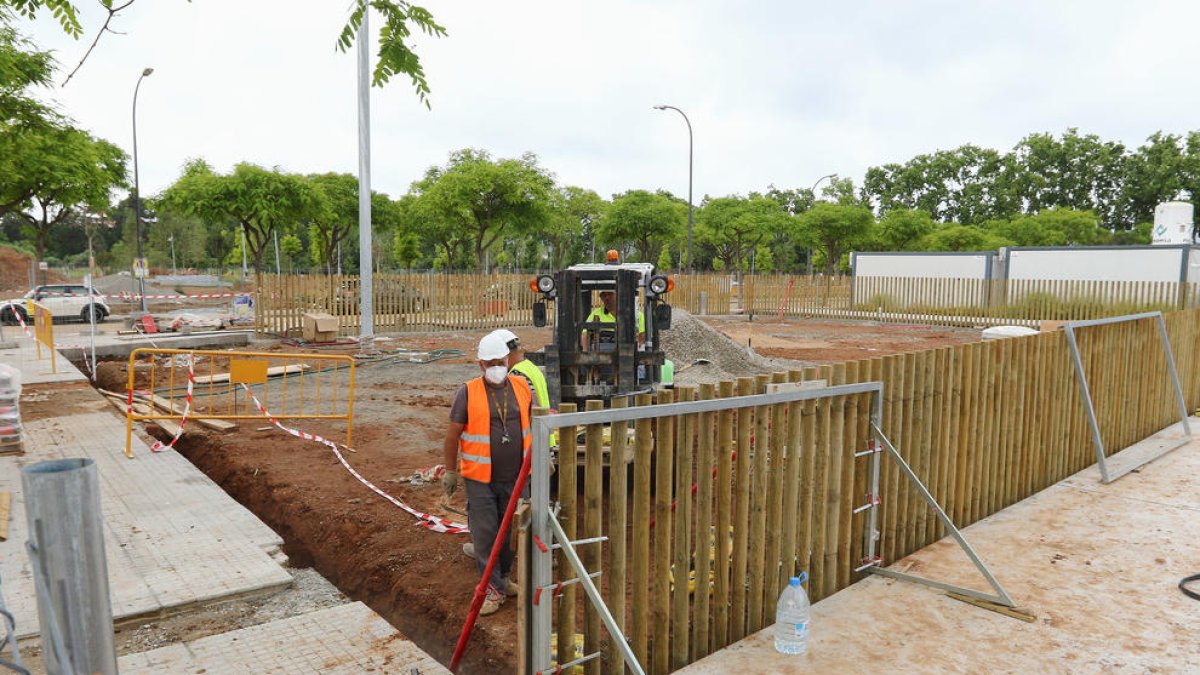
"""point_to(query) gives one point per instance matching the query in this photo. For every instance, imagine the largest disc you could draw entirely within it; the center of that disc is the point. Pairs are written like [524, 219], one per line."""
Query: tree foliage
[835, 229]
[735, 226]
[642, 221]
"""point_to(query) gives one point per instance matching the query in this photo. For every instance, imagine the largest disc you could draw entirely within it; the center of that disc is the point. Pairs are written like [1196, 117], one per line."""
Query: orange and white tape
[426, 520]
[187, 409]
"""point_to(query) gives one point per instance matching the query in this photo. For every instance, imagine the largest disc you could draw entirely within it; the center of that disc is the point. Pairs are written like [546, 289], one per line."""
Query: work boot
[469, 550]
[491, 602]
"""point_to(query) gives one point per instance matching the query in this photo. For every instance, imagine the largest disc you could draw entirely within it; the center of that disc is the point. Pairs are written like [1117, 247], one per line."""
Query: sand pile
[690, 339]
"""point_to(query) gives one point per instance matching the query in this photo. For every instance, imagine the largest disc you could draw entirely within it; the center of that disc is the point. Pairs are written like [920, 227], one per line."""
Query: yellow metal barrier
[43, 331]
[321, 387]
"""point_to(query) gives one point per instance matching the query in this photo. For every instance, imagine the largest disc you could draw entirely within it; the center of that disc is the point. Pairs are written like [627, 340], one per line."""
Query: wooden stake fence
[734, 502]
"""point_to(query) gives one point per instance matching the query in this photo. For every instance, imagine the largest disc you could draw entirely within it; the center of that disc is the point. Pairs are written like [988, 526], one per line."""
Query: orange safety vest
[475, 442]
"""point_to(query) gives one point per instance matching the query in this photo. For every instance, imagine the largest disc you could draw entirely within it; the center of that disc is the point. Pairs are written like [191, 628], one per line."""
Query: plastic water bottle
[792, 615]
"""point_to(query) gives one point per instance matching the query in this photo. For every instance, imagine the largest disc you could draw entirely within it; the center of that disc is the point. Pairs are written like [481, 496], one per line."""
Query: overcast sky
[778, 92]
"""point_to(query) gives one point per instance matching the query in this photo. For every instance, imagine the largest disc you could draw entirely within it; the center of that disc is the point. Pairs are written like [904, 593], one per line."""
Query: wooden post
[758, 510]
[682, 546]
[618, 496]
[820, 497]
[791, 494]
[704, 531]
[834, 493]
[593, 485]
[850, 497]
[808, 442]
[775, 477]
[741, 516]
[664, 470]
[568, 491]
[640, 591]
[893, 417]
[724, 507]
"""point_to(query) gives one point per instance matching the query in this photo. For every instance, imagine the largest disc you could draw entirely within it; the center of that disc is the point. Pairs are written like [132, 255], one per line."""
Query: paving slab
[349, 638]
[35, 371]
[1097, 564]
[173, 538]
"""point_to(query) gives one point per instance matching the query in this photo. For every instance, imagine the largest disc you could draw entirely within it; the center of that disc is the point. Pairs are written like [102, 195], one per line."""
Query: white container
[1172, 223]
[792, 617]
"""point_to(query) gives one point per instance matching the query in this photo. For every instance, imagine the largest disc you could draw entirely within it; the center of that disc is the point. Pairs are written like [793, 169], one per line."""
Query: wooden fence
[959, 301]
[427, 301]
[739, 501]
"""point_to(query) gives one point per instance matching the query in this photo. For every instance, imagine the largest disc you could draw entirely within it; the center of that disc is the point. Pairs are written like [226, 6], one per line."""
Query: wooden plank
[704, 530]
[593, 484]
[741, 515]
[758, 510]
[618, 496]
[721, 587]
[834, 493]
[820, 494]
[681, 539]
[568, 494]
[640, 591]
[792, 478]
[776, 472]
[850, 498]
[5, 514]
[664, 475]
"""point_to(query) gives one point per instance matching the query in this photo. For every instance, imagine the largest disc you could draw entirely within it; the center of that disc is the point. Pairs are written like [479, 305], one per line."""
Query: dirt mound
[14, 270]
[690, 340]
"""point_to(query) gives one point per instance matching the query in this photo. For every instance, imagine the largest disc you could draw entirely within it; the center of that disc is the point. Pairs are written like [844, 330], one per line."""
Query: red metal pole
[786, 296]
[481, 589]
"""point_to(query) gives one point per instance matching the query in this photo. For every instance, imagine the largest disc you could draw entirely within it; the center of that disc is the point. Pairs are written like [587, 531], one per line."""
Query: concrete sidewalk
[1097, 564]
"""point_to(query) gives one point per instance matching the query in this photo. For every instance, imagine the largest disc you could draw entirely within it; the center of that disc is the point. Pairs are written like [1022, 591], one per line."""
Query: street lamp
[137, 200]
[689, 126]
[813, 190]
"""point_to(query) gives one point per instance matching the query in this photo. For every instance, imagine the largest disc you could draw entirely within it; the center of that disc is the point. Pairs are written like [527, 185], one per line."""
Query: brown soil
[374, 552]
[825, 342]
[14, 271]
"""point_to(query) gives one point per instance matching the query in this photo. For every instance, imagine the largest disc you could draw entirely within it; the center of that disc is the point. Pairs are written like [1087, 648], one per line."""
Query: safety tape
[426, 520]
[187, 408]
[21, 319]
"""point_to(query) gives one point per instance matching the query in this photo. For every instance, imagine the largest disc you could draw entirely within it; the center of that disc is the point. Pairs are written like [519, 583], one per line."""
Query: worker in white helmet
[487, 438]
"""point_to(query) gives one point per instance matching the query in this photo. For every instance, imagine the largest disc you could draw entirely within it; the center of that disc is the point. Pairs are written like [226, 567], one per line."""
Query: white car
[63, 301]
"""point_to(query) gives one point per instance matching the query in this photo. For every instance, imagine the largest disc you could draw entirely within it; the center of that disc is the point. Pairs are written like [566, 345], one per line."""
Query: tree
[735, 226]
[969, 184]
[643, 220]
[485, 200]
[336, 217]
[573, 211]
[67, 170]
[956, 237]
[903, 229]
[259, 200]
[835, 229]
[1075, 171]
[395, 54]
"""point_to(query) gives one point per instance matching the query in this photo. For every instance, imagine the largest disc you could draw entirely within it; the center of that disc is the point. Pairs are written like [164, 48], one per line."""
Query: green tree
[292, 249]
[573, 211]
[259, 200]
[68, 171]
[487, 200]
[395, 54]
[956, 237]
[735, 226]
[1075, 171]
[643, 220]
[969, 184]
[835, 229]
[903, 229]
[1053, 227]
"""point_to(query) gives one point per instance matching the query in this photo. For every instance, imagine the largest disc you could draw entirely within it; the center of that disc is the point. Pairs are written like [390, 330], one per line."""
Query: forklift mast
[595, 360]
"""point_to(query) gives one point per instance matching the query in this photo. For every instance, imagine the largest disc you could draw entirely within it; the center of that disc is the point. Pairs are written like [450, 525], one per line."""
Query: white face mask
[495, 374]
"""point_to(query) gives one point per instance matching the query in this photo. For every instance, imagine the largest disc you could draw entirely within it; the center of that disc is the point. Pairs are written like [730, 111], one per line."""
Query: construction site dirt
[375, 552]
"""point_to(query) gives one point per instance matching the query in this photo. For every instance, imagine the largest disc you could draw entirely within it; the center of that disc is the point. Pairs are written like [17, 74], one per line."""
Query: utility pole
[366, 335]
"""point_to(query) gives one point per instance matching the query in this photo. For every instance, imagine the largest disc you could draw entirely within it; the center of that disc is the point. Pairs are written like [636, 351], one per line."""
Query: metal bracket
[1000, 598]
[1097, 441]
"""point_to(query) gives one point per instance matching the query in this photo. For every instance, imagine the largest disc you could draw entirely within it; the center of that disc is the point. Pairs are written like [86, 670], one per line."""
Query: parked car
[63, 301]
[389, 295]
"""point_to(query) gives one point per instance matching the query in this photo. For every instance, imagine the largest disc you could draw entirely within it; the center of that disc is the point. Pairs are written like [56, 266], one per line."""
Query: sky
[778, 93]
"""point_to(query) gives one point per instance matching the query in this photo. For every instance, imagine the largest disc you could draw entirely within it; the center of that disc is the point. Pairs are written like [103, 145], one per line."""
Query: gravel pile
[690, 339]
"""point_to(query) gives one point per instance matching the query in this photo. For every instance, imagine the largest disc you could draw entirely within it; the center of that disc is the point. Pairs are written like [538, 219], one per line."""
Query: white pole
[366, 310]
[277, 272]
[243, 255]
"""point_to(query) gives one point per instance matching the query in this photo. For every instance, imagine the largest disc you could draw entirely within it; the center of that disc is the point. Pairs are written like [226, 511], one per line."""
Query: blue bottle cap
[794, 582]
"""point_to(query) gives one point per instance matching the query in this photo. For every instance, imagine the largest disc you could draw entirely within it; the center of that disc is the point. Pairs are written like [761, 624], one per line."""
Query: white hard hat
[510, 338]
[494, 345]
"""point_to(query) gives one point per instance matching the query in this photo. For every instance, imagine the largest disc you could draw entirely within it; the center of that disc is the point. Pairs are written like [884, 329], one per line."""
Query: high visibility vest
[535, 376]
[475, 442]
[541, 394]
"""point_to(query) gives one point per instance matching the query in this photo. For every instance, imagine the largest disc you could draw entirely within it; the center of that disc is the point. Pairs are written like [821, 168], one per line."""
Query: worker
[487, 438]
[607, 313]
[517, 363]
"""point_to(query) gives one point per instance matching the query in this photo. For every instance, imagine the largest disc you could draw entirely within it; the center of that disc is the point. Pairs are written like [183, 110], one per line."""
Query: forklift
[598, 360]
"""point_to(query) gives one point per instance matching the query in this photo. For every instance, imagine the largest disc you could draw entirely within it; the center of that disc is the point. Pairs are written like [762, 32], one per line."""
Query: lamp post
[137, 200]
[690, 266]
[813, 190]
[174, 269]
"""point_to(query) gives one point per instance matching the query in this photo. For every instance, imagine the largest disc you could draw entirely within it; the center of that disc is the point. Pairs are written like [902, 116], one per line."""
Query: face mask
[495, 374]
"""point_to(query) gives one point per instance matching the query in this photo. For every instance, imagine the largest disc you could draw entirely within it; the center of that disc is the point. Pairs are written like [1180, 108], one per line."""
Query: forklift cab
[600, 351]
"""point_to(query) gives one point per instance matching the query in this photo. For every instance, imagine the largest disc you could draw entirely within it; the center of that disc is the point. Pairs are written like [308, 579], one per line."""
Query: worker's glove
[449, 482]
